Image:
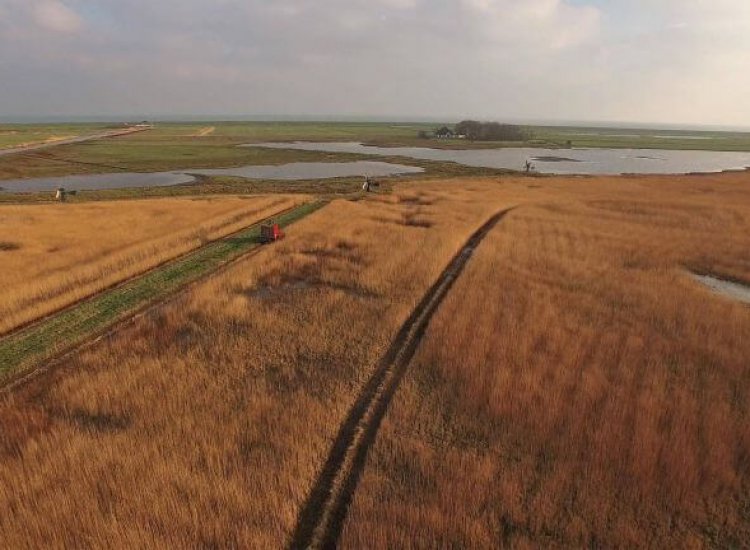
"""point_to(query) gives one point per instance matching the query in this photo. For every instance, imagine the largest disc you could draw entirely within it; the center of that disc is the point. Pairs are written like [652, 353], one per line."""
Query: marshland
[386, 274]
[224, 402]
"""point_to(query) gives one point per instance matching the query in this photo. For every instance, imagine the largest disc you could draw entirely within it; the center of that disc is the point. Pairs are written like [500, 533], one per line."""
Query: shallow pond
[96, 181]
[288, 172]
[550, 161]
[313, 170]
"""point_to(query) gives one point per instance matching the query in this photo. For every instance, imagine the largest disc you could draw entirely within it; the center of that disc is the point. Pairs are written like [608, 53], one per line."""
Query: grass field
[181, 146]
[253, 132]
[396, 133]
[575, 388]
[54, 255]
[144, 153]
[172, 146]
[622, 138]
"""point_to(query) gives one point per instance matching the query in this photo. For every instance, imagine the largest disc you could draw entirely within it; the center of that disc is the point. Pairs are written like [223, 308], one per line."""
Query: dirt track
[321, 519]
[205, 131]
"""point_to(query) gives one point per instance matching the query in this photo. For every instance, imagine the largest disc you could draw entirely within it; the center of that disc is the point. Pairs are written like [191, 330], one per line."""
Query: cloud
[641, 60]
[56, 16]
[678, 61]
[554, 24]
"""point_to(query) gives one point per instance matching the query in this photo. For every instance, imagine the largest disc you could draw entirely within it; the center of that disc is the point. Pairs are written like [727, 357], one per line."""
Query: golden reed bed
[55, 254]
[575, 388]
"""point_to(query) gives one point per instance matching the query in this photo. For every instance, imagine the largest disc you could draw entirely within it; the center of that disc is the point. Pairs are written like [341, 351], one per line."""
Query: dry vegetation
[55, 254]
[206, 423]
[576, 387]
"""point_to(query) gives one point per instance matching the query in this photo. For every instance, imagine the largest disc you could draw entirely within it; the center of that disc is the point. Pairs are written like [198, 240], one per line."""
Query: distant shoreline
[346, 119]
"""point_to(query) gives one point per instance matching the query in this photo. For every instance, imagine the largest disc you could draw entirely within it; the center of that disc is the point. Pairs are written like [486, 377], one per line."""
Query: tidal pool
[549, 161]
[313, 170]
[288, 172]
[96, 181]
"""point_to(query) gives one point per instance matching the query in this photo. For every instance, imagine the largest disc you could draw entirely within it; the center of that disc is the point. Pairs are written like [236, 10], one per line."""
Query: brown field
[205, 424]
[575, 388]
[55, 254]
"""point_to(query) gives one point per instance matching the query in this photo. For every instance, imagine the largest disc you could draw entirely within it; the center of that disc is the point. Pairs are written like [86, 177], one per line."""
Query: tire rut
[321, 520]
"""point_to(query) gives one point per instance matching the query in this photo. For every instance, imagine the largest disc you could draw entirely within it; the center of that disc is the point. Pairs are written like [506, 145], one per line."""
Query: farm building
[445, 133]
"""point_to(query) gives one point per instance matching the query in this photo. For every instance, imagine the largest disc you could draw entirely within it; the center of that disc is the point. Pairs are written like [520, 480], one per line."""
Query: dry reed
[206, 423]
[54, 255]
[578, 388]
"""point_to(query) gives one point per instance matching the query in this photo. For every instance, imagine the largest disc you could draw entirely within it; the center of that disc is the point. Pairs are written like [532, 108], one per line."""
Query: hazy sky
[674, 61]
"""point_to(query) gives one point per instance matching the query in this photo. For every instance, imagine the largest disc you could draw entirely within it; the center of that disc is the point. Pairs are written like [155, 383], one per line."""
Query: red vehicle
[270, 232]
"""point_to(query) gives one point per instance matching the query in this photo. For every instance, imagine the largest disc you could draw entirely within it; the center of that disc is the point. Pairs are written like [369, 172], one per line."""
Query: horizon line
[352, 118]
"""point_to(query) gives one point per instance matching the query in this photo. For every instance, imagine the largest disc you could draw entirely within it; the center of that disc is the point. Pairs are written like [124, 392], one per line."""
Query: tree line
[491, 131]
[480, 131]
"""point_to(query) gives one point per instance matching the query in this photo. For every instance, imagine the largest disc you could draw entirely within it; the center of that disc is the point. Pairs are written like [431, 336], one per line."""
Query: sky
[634, 61]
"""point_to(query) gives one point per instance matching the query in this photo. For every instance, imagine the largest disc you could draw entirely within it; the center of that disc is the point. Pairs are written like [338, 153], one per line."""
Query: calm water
[313, 170]
[292, 171]
[551, 161]
[735, 291]
[96, 181]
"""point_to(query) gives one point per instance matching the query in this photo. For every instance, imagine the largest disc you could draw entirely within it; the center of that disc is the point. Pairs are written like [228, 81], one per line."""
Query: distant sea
[59, 119]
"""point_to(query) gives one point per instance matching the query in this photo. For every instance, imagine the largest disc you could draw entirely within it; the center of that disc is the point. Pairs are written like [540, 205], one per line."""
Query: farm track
[28, 352]
[322, 518]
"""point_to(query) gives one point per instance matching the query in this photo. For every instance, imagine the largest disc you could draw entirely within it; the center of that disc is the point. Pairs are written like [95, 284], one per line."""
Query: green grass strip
[74, 325]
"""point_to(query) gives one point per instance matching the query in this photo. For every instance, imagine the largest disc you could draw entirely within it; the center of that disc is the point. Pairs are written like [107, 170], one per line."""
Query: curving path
[321, 519]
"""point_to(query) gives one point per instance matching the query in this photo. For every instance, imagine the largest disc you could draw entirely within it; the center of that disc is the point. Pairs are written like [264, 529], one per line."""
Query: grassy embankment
[577, 388]
[21, 135]
[206, 421]
[73, 325]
